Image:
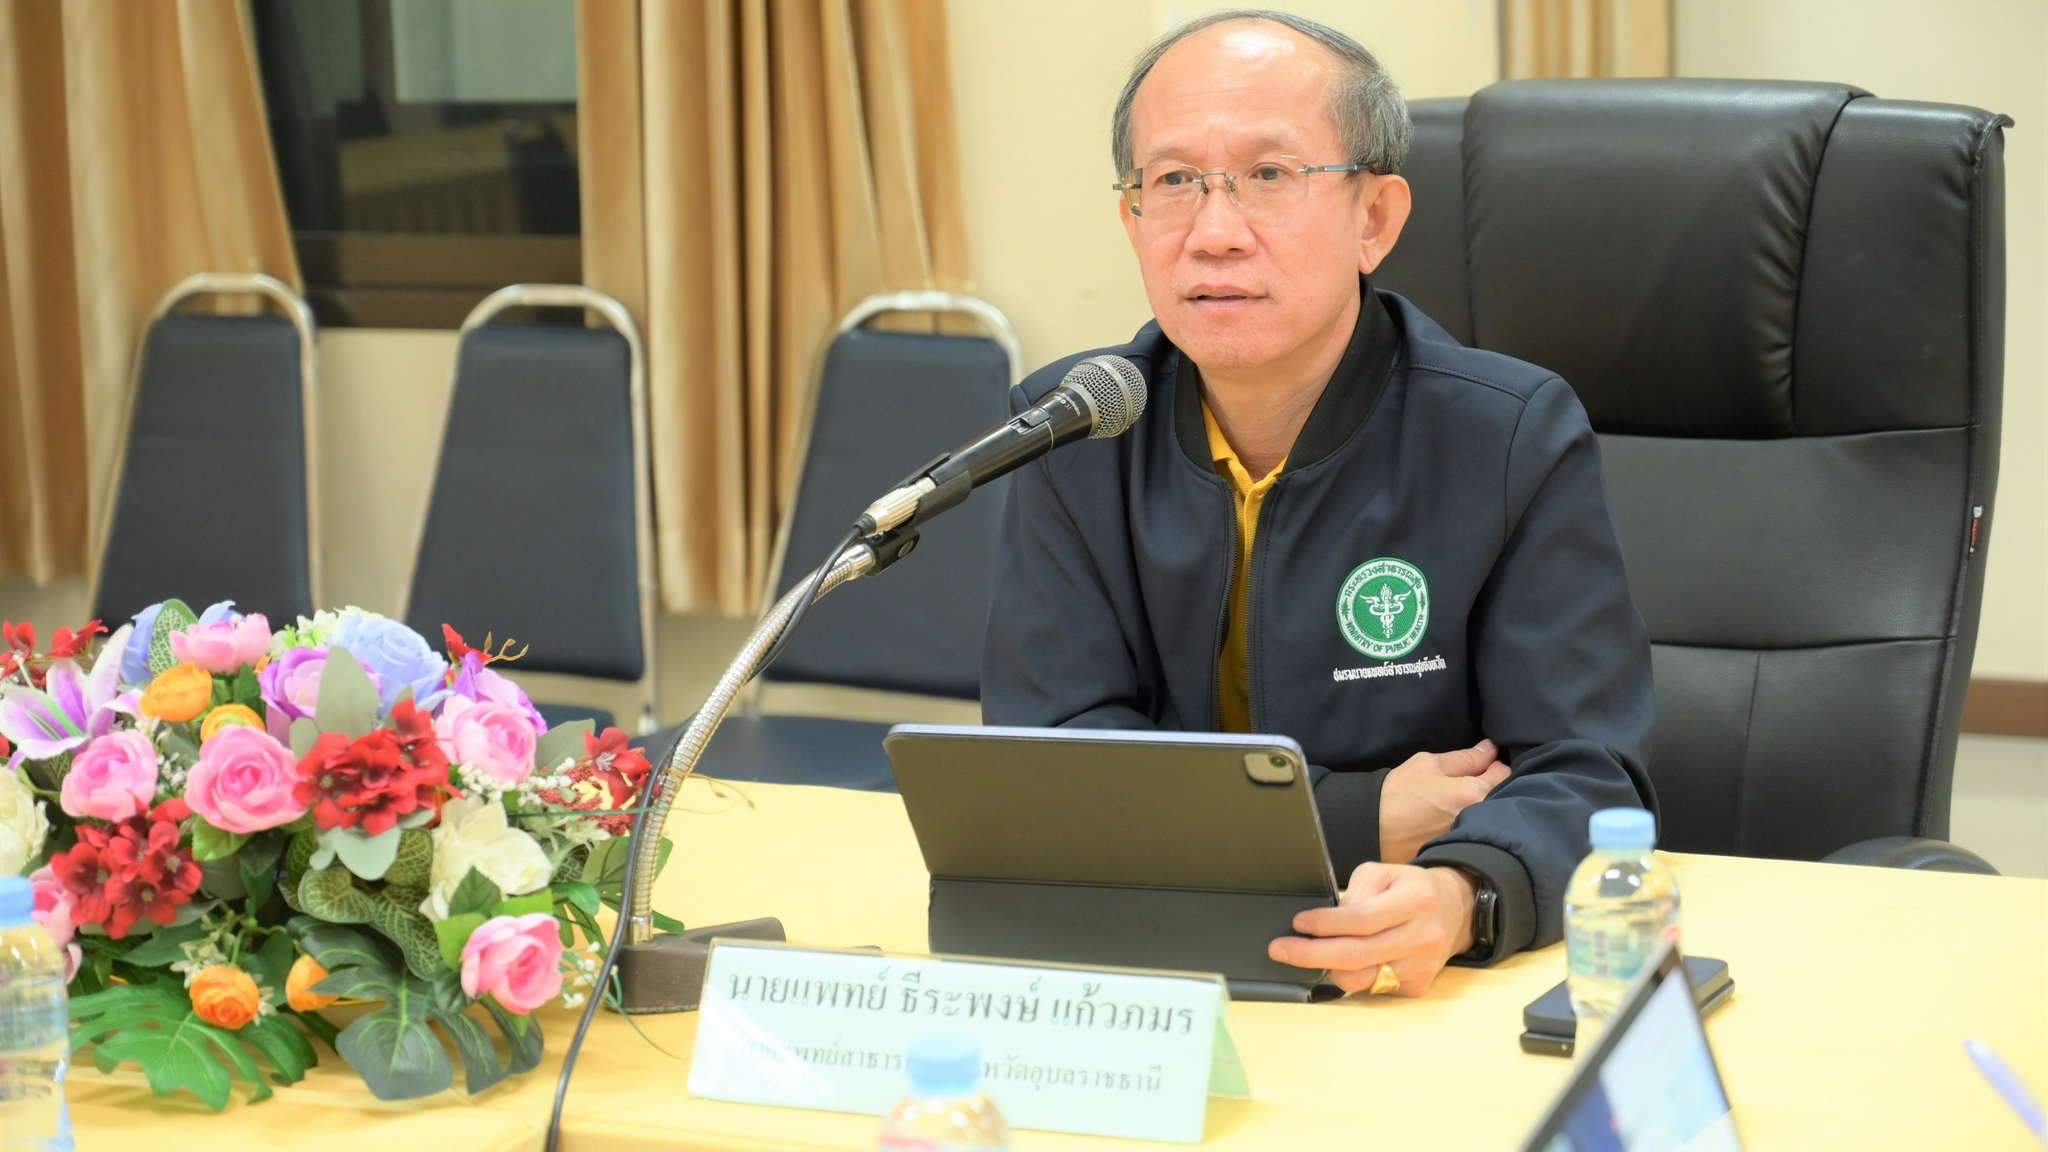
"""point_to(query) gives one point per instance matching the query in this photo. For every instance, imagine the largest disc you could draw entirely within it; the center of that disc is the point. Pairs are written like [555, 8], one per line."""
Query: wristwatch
[1485, 919]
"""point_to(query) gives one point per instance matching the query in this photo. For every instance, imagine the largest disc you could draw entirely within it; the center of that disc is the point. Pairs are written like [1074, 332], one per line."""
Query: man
[1333, 523]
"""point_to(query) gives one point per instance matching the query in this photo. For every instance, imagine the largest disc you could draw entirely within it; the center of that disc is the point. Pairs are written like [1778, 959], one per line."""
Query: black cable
[644, 801]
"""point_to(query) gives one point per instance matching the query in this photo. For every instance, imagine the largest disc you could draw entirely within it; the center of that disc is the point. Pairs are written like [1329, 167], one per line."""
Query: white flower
[473, 834]
[23, 826]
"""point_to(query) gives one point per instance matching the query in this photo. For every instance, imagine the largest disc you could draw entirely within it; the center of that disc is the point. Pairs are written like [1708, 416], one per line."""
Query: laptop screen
[1655, 1089]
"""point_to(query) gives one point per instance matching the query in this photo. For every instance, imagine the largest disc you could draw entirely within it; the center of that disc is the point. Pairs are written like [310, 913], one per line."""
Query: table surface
[1855, 988]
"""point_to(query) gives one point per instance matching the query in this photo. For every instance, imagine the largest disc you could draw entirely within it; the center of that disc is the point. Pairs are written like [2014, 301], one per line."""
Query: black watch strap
[1485, 920]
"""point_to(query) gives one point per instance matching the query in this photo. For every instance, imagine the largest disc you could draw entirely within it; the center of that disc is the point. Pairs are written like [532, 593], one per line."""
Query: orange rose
[228, 715]
[178, 694]
[298, 987]
[225, 997]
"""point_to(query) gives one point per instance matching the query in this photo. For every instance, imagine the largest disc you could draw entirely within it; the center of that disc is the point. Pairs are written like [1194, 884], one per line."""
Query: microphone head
[1114, 390]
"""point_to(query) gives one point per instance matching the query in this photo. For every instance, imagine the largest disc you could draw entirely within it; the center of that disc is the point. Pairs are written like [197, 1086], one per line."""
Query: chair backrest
[1782, 305]
[538, 526]
[887, 403]
[215, 497]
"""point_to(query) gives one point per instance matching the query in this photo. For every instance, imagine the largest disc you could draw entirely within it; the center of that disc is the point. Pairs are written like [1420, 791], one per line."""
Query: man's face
[1249, 296]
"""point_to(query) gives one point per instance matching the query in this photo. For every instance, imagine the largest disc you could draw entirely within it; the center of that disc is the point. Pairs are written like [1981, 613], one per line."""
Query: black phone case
[1549, 1024]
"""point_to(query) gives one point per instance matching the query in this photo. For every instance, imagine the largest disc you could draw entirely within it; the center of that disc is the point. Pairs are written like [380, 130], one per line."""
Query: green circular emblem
[1383, 608]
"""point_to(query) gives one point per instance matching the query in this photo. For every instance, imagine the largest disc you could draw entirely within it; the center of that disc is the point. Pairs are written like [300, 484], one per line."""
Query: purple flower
[397, 658]
[76, 706]
[476, 682]
[134, 661]
[291, 684]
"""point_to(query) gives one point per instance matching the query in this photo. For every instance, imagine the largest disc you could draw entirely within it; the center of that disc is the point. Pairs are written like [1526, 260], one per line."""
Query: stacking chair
[214, 499]
[1782, 305]
[887, 403]
[538, 527]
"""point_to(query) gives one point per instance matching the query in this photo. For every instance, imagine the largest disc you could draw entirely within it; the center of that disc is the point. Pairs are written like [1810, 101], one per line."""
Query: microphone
[1100, 397]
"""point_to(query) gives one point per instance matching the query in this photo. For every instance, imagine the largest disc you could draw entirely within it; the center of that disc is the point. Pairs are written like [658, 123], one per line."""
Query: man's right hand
[1420, 798]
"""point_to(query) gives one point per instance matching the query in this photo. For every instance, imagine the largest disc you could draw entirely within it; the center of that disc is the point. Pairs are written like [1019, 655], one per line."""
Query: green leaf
[580, 895]
[258, 864]
[563, 742]
[163, 946]
[174, 617]
[348, 701]
[281, 1046]
[397, 916]
[413, 866]
[451, 934]
[523, 1034]
[331, 895]
[154, 1025]
[393, 1050]
[359, 966]
[179, 745]
[247, 690]
[541, 901]
[271, 965]
[304, 734]
[474, 894]
[665, 923]
[369, 857]
[211, 843]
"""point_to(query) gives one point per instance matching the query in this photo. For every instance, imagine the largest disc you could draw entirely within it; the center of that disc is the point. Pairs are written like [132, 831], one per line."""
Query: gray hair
[1371, 117]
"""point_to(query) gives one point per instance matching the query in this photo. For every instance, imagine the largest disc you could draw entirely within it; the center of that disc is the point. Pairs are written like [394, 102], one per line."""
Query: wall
[1992, 54]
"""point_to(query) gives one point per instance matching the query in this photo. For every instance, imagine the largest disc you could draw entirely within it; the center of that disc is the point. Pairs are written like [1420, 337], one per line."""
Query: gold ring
[1385, 981]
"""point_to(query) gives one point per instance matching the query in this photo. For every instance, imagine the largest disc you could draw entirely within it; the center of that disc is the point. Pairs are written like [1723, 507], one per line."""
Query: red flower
[456, 648]
[606, 779]
[369, 782]
[133, 870]
[69, 644]
[416, 736]
[20, 636]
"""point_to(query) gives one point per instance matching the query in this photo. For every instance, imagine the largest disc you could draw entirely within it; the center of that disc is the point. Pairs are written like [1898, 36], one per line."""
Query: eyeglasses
[1263, 190]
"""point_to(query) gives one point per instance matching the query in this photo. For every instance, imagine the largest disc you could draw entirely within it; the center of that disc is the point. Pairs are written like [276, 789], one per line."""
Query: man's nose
[1218, 227]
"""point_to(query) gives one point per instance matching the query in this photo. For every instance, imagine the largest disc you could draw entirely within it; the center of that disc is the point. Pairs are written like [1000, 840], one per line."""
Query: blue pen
[2009, 1086]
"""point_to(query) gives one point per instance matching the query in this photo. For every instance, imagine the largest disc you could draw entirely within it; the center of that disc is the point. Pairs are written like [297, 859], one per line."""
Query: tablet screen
[1658, 1089]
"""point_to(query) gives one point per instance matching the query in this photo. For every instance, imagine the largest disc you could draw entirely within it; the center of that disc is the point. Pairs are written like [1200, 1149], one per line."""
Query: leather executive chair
[215, 498]
[887, 403]
[1782, 305]
[539, 524]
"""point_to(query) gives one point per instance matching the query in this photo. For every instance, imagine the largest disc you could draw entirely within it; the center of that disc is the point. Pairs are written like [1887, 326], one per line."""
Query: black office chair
[1782, 305]
[538, 527]
[215, 496]
[887, 403]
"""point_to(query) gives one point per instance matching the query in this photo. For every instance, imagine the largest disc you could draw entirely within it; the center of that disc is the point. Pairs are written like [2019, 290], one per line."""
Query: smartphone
[1548, 1023]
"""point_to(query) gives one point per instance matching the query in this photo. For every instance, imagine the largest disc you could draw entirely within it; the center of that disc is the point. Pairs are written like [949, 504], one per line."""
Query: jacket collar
[1353, 390]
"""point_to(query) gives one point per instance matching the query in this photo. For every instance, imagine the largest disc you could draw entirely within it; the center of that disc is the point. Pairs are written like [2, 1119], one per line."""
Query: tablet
[1179, 850]
[1650, 1084]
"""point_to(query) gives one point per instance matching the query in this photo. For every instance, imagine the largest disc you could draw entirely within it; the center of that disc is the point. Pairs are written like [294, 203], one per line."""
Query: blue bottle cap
[17, 900]
[1623, 828]
[943, 1065]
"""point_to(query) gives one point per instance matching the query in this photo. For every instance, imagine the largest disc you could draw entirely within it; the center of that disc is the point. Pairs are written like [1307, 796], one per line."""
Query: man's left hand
[1414, 919]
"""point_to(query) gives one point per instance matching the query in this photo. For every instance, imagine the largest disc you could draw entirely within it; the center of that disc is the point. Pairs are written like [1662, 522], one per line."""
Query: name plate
[1103, 1052]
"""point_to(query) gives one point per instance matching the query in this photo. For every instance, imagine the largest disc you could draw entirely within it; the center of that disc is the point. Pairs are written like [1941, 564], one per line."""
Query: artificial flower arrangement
[230, 829]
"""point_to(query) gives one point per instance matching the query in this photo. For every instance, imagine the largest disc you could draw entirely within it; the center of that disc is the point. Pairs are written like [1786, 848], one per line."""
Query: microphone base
[666, 974]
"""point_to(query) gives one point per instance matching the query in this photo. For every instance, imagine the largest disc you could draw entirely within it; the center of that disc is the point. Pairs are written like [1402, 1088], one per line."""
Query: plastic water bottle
[1619, 909]
[35, 1029]
[945, 1111]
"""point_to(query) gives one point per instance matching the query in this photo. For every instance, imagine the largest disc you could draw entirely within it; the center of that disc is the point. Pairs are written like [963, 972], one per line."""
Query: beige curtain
[1583, 38]
[751, 169]
[133, 152]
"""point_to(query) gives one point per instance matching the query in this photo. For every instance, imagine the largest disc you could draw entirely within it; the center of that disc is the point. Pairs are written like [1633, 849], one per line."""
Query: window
[427, 150]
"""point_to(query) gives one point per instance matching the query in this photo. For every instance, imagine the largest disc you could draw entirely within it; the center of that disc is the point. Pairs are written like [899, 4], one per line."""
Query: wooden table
[1855, 988]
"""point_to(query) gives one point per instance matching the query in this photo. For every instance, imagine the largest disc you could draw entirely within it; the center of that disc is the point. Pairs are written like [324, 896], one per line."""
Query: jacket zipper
[1254, 715]
[1223, 616]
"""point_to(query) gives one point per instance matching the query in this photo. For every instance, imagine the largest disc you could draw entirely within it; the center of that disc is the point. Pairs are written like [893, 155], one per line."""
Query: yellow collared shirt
[1233, 665]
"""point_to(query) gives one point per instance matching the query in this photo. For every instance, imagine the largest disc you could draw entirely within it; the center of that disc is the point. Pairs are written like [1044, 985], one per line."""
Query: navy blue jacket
[1504, 612]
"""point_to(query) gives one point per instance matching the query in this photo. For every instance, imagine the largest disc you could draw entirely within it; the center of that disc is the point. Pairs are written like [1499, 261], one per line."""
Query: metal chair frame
[621, 321]
[295, 310]
[881, 303]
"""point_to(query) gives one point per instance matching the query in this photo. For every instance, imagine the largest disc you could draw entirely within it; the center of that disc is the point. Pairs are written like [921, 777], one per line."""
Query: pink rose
[490, 737]
[53, 912]
[112, 778]
[516, 959]
[225, 647]
[243, 781]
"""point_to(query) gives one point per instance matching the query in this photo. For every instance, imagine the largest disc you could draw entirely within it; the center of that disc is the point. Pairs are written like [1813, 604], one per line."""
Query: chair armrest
[1914, 852]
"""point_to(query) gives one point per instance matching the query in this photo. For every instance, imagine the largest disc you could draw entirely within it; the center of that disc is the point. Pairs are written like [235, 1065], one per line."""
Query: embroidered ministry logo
[1383, 608]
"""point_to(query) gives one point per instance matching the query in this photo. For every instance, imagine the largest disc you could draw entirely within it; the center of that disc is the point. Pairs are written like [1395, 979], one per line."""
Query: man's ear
[1123, 209]
[1383, 211]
